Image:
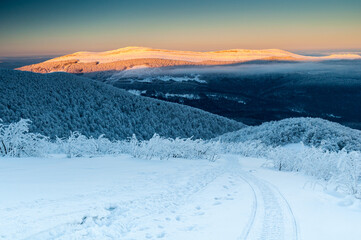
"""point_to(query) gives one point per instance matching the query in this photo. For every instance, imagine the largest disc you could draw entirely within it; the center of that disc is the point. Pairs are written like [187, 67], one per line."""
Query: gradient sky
[39, 27]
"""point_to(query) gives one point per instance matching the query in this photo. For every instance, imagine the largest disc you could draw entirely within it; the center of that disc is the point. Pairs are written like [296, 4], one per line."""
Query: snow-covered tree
[16, 141]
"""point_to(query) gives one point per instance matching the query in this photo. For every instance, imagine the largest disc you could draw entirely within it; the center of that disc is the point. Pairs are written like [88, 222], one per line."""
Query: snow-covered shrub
[348, 176]
[165, 148]
[342, 168]
[310, 160]
[16, 141]
[78, 145]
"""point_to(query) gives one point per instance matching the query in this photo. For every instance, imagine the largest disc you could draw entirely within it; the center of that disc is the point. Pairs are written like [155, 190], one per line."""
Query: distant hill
[311, 131]
[16, 62]
[130, 57]
[58, 103]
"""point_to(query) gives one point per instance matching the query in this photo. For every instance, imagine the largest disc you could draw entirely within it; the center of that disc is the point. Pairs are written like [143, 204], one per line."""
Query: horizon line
[315, 50]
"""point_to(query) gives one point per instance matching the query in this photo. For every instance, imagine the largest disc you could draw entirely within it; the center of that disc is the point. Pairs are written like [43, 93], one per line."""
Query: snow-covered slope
[127, 198]
[58, 103]
[311, 131]
[225, 55]
[125, 58]
[141, 52]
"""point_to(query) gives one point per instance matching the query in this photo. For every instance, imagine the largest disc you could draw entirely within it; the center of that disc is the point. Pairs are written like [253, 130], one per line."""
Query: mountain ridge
[129, 57]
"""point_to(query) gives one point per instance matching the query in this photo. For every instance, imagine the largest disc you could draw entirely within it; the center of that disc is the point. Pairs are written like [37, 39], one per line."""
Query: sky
[40, 27]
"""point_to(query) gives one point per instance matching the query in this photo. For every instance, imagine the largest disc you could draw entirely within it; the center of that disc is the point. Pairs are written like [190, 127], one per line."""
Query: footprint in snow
[111, 208]
[190, 228]
[143, 229]
[199, 213]
[161, 235]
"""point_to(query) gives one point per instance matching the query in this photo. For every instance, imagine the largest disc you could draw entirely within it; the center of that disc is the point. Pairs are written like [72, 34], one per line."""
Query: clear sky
[39, 27]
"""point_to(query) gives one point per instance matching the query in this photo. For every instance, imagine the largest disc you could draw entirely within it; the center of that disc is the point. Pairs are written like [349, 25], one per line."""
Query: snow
[166, 78]
[188, 96]
[137, 92]
[120, 197]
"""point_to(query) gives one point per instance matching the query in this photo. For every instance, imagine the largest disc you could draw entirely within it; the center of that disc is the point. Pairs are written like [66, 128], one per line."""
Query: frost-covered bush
[342, 168]
[16, 141]
[310, 160]
[311, 131]
[348, 176]
[165, 148]
[78, 145]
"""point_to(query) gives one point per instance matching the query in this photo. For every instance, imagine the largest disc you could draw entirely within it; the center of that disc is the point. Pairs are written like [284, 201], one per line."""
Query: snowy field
[121, 197]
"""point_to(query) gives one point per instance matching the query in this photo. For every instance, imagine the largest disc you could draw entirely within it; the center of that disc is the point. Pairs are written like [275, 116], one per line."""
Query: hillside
[129, 57]
[311, 131]
[58, 103]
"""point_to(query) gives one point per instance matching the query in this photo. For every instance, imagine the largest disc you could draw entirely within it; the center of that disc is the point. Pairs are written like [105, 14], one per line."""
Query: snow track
[272, 217]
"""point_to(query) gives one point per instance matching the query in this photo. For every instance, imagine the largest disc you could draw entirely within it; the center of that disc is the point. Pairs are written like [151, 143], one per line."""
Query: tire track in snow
[272, 217]
[294, 222]
[251, 220]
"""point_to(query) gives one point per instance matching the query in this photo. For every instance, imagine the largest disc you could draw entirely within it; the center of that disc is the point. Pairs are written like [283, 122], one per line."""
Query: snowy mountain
[58, 103]
[130, 57]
